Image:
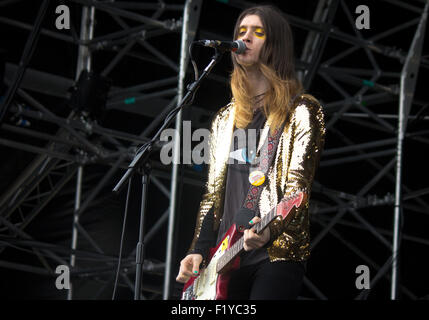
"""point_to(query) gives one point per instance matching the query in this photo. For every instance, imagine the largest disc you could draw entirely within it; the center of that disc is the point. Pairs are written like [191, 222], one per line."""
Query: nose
[247, 36]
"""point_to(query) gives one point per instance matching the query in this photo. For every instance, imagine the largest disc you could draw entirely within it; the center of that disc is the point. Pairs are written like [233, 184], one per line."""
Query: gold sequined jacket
[292, 170]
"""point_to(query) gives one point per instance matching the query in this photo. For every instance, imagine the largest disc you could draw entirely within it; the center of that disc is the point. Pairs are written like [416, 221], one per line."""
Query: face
[252, 33]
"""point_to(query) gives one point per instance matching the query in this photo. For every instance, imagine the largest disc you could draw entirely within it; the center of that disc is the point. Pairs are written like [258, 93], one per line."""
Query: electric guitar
[212, 282]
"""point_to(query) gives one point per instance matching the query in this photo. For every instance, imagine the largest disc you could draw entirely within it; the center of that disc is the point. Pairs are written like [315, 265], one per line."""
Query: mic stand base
[140, 245]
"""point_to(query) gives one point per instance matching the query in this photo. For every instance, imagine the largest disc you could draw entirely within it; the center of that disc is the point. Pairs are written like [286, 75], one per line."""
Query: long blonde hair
[277, 66]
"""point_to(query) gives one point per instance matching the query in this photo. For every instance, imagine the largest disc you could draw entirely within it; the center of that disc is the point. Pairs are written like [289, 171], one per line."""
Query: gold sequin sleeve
[219, 150]
[294, 169]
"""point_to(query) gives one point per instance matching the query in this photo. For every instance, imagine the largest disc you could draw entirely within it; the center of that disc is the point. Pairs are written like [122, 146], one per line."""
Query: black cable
[122, 238]
[193, 61]
[196, 75]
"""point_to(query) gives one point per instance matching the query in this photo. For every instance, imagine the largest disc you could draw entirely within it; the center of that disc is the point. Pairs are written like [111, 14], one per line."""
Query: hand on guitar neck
[253, 240]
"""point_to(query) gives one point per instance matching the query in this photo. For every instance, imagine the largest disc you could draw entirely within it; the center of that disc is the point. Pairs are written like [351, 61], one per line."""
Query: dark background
[332, 265]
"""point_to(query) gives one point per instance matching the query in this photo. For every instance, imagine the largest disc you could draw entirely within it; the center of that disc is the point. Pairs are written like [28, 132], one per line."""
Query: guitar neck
[238, 246]
[282, 209]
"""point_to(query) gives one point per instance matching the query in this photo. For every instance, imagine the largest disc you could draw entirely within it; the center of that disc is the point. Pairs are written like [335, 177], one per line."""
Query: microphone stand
[140, 161]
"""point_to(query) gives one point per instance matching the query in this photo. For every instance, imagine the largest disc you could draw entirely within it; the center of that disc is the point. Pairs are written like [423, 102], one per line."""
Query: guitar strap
[266, 156]
[262, 164]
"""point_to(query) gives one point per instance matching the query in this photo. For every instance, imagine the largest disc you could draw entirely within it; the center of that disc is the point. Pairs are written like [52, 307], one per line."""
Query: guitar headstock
[287, 203]
[282, 209]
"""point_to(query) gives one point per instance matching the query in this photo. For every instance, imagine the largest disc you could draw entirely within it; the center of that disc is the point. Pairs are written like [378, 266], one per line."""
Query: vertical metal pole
[313, 38]
[190, 21]
[398, 201]
[86, 33]
[83, 62]
[75, 221]
[408, 84]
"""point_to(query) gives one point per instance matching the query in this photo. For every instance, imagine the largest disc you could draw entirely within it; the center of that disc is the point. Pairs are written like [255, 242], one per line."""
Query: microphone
[237, 46]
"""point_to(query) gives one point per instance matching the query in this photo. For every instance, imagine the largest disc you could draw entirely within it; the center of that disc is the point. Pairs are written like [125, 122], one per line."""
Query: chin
[246, 63]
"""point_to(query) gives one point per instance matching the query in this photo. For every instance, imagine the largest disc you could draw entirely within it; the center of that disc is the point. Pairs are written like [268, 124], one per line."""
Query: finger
[196, 267]
[246, 234]
[252, 234]
[250, 242]
[182, 277]
[186, 268]
[246, 247]
[254, 241]
[251, 237]
[185, 272]
[246, 240]
[254, 220]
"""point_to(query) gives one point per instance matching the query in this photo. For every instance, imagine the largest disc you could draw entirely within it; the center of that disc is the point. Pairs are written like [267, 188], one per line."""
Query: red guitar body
[212, 282]
[224, 277]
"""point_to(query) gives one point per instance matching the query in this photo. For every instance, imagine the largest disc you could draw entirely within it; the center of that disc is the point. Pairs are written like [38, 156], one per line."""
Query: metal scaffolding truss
[376, 98]
[378, 160]
[79, 139]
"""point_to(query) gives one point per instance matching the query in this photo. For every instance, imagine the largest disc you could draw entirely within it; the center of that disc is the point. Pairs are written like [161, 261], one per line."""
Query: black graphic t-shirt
[237, 186]
[237, 181]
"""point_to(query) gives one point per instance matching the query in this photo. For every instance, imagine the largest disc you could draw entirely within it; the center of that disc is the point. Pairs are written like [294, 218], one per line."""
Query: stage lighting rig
[89, 94]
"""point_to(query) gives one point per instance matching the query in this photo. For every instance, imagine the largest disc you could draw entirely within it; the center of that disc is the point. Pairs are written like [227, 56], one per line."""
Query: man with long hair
[266, 95]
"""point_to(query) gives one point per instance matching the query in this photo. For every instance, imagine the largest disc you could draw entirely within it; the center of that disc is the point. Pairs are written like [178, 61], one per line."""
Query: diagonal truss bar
[25, 59]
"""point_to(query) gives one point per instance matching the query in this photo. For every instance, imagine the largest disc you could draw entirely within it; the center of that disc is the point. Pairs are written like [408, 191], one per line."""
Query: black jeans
[281, 280]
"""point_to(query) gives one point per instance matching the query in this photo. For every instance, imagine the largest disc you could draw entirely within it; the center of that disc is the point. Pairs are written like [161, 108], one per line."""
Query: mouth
[245, 53]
